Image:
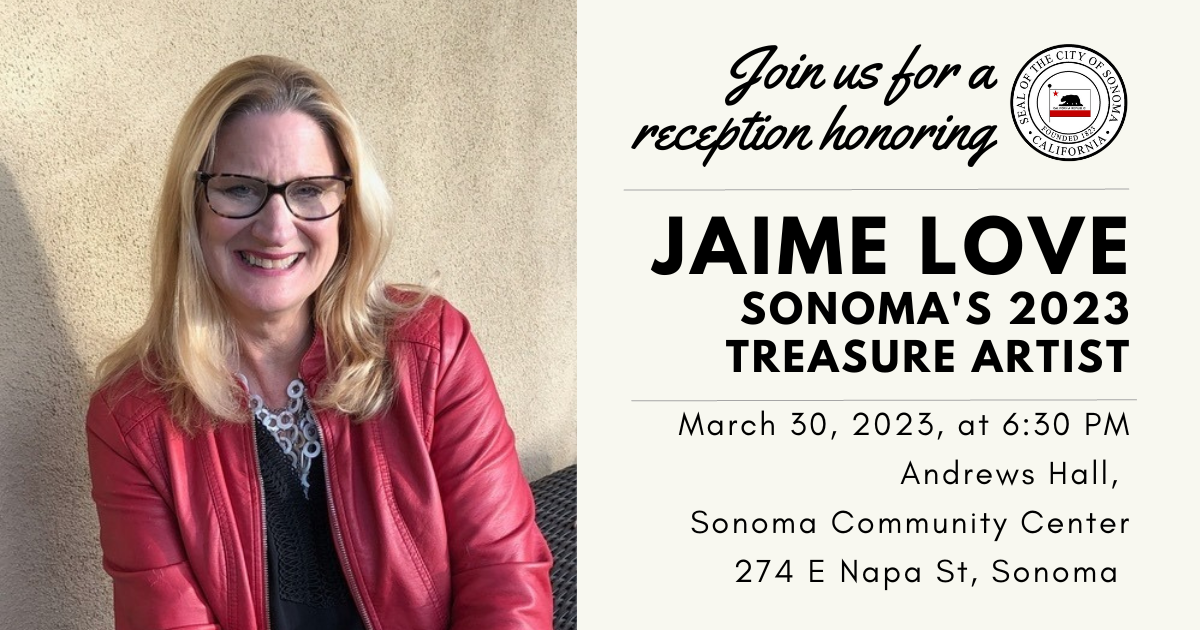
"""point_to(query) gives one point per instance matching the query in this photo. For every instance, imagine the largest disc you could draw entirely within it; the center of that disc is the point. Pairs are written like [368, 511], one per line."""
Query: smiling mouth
[269, 263]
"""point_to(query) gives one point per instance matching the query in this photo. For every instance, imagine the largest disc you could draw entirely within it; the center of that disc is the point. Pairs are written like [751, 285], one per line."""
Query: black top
[305, 585]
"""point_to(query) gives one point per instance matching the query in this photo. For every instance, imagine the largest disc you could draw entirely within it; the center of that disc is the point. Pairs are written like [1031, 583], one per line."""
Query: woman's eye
[238, 191]
[306, 192]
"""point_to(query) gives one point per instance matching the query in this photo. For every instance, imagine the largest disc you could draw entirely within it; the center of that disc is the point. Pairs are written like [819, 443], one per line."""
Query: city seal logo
[1069, 102]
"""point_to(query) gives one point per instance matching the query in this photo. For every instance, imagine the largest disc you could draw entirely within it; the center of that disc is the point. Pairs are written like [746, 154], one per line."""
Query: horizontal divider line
[887, 400]
[863, 189]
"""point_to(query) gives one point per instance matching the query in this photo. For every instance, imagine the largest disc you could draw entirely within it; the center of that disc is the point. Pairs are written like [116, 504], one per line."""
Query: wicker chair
[554, 495]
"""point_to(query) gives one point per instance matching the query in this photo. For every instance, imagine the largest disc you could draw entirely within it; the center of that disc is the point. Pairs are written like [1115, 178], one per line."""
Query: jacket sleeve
[153, 585]
[500, 564]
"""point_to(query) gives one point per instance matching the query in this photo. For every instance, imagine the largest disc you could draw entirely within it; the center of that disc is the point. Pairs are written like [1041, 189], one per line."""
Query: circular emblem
[1068, 102]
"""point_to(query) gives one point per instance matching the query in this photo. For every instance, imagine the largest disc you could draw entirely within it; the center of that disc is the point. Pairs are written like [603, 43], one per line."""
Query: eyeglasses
[241, 196]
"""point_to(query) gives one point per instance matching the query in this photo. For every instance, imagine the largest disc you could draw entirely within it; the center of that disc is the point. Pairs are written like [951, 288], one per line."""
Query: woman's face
[267, 266]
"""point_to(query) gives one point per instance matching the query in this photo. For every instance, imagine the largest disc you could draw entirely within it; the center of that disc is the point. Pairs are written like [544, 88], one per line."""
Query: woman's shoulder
[126, 400]
[426, 319]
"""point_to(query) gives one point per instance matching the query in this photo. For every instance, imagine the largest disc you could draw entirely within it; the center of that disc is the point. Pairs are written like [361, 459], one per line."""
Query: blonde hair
[188, 339]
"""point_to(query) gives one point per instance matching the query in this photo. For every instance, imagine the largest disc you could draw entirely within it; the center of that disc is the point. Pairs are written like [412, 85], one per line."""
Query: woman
[286, 442]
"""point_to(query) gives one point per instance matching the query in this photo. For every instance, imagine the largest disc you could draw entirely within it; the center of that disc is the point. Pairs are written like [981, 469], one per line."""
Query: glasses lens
[234, 196]
[317, 197]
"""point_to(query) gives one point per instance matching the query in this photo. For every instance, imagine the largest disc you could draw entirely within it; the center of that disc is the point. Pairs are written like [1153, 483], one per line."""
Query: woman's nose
[274, 225]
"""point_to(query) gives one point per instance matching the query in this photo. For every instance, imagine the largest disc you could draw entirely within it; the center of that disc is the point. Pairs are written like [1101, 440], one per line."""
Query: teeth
[266, 263]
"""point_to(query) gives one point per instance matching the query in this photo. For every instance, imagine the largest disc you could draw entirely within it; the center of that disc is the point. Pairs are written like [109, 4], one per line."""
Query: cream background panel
[666, 338]
[470, 110]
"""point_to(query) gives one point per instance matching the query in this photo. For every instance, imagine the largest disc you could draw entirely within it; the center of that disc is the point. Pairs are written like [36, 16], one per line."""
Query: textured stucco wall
[470, 109]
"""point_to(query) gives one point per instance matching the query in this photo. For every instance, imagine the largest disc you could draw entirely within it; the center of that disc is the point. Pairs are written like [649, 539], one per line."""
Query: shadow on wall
[50, 575]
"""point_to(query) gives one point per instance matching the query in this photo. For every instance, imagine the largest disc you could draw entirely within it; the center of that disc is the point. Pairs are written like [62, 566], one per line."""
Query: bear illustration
[1070, 100]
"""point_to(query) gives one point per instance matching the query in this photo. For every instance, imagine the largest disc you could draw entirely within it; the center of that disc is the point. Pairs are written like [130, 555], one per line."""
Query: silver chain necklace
[294, 428]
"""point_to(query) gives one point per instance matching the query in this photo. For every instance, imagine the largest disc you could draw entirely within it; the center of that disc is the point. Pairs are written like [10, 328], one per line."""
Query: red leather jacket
[433, 520]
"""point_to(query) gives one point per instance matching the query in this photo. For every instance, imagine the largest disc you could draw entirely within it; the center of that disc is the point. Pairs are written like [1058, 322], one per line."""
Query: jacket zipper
[262, 504]
[337, 531]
